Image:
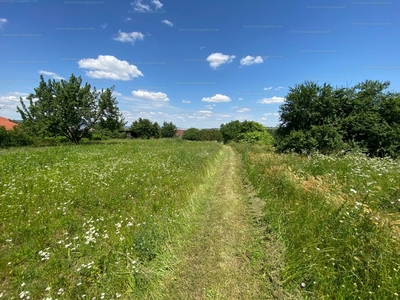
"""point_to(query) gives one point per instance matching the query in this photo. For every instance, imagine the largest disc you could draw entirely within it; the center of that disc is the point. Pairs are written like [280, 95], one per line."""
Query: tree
[192, 134]
[66, 108]
[145, 129]
[168, 130]
[212, 134]
[328, 119]
[231, 131]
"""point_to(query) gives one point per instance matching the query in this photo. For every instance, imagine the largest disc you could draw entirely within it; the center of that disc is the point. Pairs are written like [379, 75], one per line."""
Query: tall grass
[83, 221]
[338, 218]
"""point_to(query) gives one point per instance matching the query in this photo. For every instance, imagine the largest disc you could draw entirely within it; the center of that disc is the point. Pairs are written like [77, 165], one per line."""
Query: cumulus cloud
[218, 59]
[52, 74]
[217, 98]
[250, 60]
[127, 19]
[139, 6]
[169, 23]
[144, 8]
[185, 101]
[271, 100]
[157, 4]
[268, 88]
[240, 98]
[2, 22]
[244, 109]
[129, 37]
[109, 67]
[147, 95]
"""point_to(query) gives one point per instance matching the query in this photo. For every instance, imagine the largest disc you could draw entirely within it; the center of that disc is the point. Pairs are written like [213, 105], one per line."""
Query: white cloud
[127, 19]
[244, 109]
[217, 98]
[169, 23]
[146, 95]
[2, 22]
[157, 4]
[131, 37]
[250, 60]
[139, 6]
[268, 88]
[218, 59]
[109, 67]
[274, 99]
[116, 94]
[279, 87]
[271, 114]
[9, 103]
[185, 101]
[144, 8]
[52, 74]
[240, 98]
[104, 26]
[205, 112]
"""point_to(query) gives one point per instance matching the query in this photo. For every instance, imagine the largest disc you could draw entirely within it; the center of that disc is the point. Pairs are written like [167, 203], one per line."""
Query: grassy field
[338, 217]
[83, 222]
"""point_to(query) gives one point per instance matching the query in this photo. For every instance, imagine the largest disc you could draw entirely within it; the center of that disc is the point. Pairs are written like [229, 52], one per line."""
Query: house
[7, 123]
[179, 133]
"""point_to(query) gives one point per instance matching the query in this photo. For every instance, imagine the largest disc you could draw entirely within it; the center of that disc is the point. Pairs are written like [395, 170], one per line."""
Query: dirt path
[227, 255]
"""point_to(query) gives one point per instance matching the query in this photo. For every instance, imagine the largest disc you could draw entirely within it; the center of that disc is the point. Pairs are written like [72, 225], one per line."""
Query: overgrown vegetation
[365, 117]
[338, 217]
[246, 132]
[84, 221]
[65, 108]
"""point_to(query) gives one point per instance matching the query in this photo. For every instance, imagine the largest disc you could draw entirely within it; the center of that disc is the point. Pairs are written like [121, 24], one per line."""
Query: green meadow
[82, 221]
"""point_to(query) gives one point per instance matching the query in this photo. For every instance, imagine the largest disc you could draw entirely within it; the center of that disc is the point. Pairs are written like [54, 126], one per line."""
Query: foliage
[327, 119]
[338, 218]
[246, 131]
[212, 134]
[168, 130]
[15, 137]
[231, 131]
[192, 134]
[89, 227]
[145, 129]
[257, 137]
[69, 109]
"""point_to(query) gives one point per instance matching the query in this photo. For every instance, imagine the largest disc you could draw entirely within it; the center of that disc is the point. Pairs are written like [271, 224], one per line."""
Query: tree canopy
[145, 129]
[326, 119]
[246, 131]
[69, 109]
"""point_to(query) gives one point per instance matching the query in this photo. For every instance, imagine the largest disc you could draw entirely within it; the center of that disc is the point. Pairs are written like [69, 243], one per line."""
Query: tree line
[365, 117]
[323, 118]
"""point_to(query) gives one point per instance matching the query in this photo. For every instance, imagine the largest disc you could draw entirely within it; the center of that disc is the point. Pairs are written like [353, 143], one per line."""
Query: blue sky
[196, 63]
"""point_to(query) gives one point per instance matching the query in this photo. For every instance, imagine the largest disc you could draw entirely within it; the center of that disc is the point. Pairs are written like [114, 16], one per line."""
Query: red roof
[7, 123]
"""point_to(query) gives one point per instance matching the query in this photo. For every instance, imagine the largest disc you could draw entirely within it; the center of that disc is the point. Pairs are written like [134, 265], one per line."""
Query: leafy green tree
[145, 129]
[258, 138]
[212, 134]
[192, 134]
[66, 108]
[329, 119]
[168, 130]
[231, 131]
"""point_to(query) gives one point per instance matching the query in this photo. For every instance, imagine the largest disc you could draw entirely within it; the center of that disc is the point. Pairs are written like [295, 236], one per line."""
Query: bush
[192, 134]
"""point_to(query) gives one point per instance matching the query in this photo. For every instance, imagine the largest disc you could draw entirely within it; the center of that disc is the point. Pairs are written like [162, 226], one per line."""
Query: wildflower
[117, 295]
[303, 285]
[24, 294]
[353, 191]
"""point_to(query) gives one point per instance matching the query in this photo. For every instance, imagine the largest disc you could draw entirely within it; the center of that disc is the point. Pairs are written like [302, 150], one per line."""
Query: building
[7, 123]
[179, 132]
